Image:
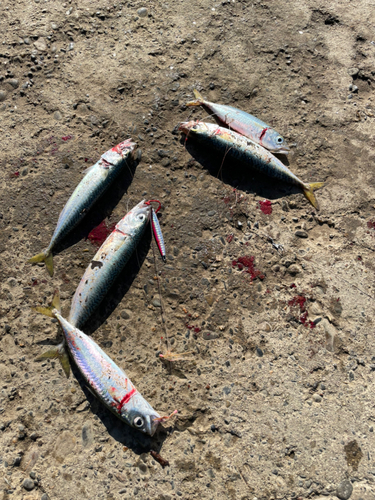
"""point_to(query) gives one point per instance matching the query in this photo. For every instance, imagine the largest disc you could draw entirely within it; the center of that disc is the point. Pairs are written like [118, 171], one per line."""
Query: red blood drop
[371, 224]
[246, 264]
[197, 329]
[230, 237]
[66, 137]
[15, 174]
[265, 206]
[99, 234]
[298, 300]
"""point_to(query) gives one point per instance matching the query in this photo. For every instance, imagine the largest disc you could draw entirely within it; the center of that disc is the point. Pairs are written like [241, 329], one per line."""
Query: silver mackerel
[92, 186]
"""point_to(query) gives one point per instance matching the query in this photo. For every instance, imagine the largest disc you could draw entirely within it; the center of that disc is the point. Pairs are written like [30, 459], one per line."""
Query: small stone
[14, 82]
[353, 71]
[71, 46]
[57, 115]
[344, 490]
[208, 335]
[353, 88]
[259, 352]
[40, 44]
[142, 12]
[211, 213]
[3, 95]
[294, 269]
[125, 314]
[45, 497]
[156, 303]
[87, 435]
[301, 234]
[28, 484]
[317, 398]
[54, 26]
[32, 475]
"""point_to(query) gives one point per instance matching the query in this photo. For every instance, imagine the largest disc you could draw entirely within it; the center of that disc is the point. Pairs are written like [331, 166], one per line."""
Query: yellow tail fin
[199, 99]
[60, 353]
[308, 191]
[46, 257]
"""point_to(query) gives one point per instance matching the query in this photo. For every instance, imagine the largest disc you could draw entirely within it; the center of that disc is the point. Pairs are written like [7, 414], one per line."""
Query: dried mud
[277, 398]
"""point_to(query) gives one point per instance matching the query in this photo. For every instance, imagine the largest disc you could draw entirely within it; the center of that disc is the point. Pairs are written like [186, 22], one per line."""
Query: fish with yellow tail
[92, 186]
[239, 148]
[107, 381]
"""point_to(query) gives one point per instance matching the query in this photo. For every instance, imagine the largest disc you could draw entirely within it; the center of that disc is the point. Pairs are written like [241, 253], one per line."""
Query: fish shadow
[102, 208]
[121, 285]
[238, 174]
[117, 429]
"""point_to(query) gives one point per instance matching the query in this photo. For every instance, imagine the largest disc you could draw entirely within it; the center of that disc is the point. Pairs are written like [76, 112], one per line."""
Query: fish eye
[279, 140]
[194, 127]
[141, 216]
[138, 422]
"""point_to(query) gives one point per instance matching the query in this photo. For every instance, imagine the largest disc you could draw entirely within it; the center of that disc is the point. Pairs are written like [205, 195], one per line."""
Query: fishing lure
[107, 381]
[244, 123]
[97, 179]
[158, 235]
[238, 147]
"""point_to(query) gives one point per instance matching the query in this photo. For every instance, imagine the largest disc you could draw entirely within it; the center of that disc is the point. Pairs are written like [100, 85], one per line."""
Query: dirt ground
[277, 398]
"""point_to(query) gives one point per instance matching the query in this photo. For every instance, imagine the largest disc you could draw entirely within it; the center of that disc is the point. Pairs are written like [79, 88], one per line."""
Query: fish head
[145, 420]
[192, 127]
[135, 219]
[274, 142]
[115, 155]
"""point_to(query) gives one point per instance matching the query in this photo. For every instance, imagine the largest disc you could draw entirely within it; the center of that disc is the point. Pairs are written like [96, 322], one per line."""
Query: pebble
[45, 497]
[259, 352]
[353, 71]
[301, 234]
[353, 88]
[57, 115]
[3, 95]
[29, 485]
[87, 435]
[208, 335]
[317, 398]
[125, 314]
[156, 303]
[294, 269]
[14, 82]
[40, 44]
[344, 490]
[142, 12]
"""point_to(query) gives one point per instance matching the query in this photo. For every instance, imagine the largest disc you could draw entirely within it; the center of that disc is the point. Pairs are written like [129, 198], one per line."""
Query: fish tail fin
[46, 257]
[308, 191]
[199, 99]
[60, 353]
[50, 310]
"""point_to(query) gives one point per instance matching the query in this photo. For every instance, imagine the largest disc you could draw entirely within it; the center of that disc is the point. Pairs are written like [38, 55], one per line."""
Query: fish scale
[107, 263]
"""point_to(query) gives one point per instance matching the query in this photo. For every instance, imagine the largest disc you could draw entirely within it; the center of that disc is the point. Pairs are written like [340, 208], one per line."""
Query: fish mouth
[285, 150]
[154, 423]
[185, 127]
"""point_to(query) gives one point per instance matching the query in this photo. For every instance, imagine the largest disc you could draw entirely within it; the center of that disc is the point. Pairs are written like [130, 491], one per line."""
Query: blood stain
[100, 233]
[298, 300]
[246, 264]
[66, 138]
[265, 206]
[230, 237]
[371, 224]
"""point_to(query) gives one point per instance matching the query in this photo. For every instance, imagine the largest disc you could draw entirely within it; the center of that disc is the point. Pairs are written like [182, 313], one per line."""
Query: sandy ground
[277, 400]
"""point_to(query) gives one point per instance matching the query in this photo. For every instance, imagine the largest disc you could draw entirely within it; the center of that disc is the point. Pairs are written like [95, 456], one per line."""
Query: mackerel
[244, 123]
[107, 381]
[107, 263]
[97, 179]
[238, 147]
